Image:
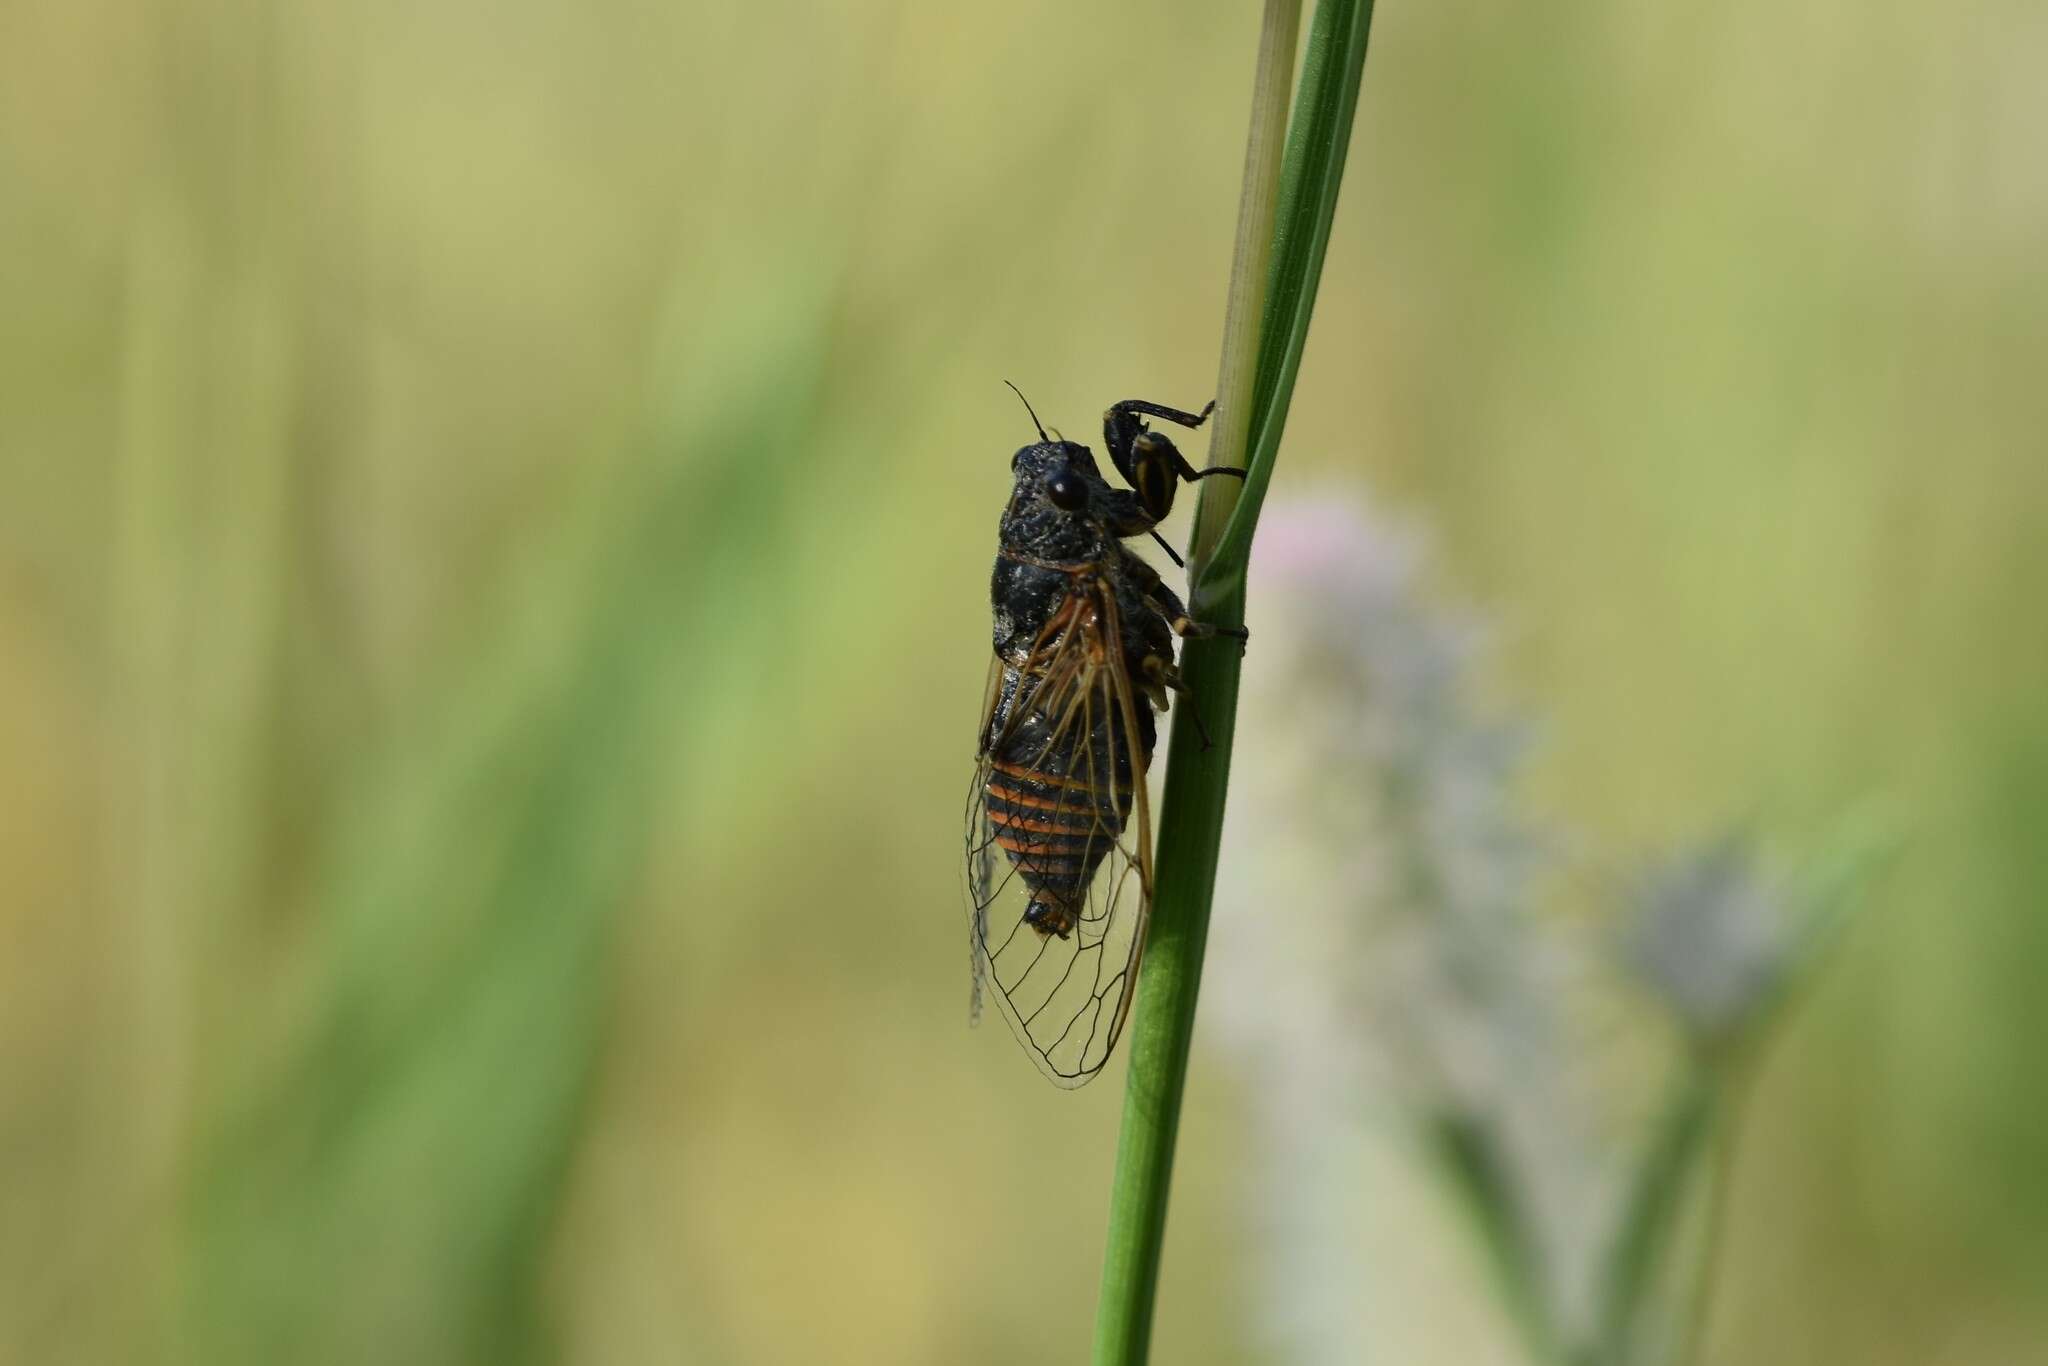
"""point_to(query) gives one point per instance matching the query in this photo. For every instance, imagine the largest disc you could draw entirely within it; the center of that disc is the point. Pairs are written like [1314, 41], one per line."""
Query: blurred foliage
[491, 606]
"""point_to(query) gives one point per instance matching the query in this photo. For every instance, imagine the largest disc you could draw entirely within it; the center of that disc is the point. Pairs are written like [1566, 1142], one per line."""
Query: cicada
[1059, 827]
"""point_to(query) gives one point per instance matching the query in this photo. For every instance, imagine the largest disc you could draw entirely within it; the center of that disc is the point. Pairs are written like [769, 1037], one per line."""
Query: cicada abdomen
[1059, 835]
[1059, 789]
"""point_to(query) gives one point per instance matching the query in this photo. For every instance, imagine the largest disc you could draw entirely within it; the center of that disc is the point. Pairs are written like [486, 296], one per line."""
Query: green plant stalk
[1318, 142]
[1699, 1291]
[1163, 1022]
[1478, 1178]
[1251, 263]
[1289, 198]
[1191, 814]
[1650, 1219]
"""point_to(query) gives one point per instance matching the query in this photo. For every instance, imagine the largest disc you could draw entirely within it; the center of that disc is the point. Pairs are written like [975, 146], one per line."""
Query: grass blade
[1318, 141]
[1276, 267]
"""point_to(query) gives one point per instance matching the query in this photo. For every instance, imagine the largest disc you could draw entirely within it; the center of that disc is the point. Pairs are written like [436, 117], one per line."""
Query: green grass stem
[1639, 1256]
[1284, 214]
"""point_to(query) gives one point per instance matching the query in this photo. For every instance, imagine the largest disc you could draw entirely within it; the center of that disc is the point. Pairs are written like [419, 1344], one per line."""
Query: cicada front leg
[1150, 462]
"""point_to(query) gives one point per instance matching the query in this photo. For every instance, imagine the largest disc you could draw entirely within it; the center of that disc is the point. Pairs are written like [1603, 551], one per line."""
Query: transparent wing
[1059, 841]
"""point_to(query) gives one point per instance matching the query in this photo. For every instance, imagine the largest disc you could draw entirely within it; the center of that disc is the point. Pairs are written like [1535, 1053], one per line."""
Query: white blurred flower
[1375, 939]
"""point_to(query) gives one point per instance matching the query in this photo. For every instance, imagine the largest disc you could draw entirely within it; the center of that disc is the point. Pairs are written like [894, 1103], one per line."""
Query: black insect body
[1059, 827]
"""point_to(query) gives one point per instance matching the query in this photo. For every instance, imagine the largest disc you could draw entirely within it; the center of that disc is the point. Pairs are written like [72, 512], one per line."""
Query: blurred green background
[494, 513]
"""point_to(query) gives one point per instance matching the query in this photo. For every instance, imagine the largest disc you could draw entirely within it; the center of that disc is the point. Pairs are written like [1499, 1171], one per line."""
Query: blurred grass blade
[451, 1014]
[206, 489]
[1291, 239]
[1640, 1254]
[1478, 1174]
[388, 1180]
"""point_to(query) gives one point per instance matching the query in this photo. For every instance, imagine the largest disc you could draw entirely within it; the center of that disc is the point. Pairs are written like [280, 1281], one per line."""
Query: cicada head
[1061, 474]
[1061, 508]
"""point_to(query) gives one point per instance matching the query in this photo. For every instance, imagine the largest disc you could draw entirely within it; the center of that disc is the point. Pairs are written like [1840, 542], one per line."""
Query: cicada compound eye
[1066, 491]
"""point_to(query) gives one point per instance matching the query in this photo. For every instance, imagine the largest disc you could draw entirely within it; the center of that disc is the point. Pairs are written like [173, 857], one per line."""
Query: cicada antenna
[1027, 408]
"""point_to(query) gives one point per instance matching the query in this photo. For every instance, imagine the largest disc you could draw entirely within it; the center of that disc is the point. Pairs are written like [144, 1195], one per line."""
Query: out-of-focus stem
[1650, 1219]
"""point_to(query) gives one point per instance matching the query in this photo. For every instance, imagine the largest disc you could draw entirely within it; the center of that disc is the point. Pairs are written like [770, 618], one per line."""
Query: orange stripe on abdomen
[1039, 779]
[1049, 861]
[1085, 823]
[1016, 796]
